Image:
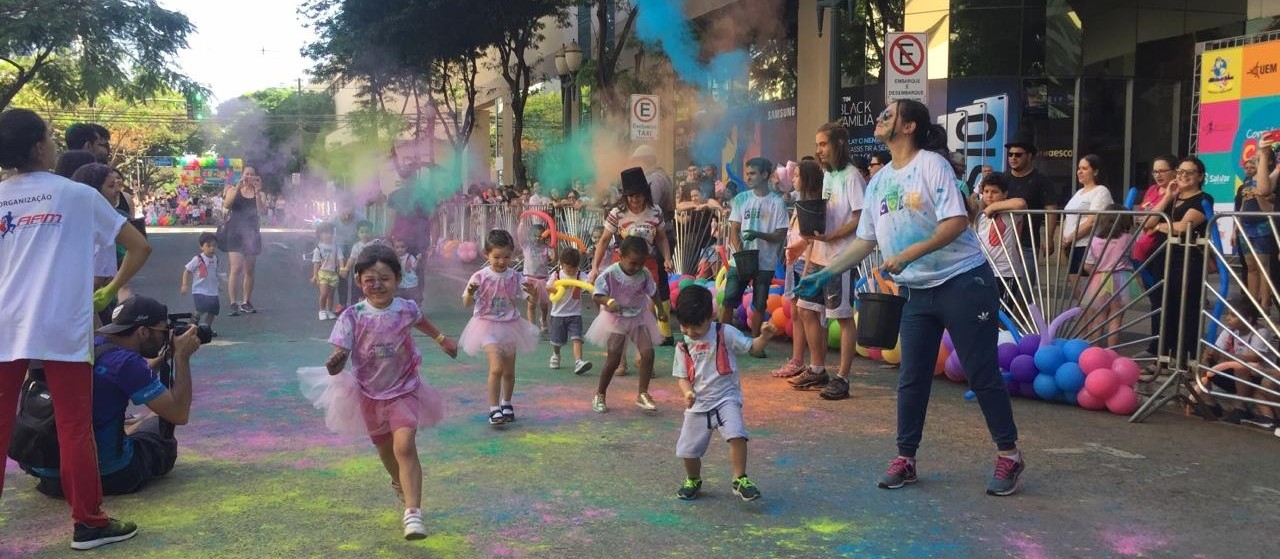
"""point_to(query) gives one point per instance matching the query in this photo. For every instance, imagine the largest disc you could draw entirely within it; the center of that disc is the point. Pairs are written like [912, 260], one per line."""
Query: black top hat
[634, 182]
[1024, 144]
[134, 312]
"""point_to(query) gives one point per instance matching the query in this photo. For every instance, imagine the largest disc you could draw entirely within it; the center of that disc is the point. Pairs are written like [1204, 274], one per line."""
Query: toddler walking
[708, 374]
[409, 288]
[326, 268]
[625, 290]
[496, 328]
[381, 395]
[204, 290]
[538, 258]
[566, 314]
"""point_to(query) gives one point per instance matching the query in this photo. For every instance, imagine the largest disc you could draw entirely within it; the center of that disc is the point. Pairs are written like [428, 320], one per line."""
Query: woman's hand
[669, 265]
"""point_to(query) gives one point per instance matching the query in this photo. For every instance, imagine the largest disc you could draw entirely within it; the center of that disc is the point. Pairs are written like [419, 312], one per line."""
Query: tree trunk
[517, 135]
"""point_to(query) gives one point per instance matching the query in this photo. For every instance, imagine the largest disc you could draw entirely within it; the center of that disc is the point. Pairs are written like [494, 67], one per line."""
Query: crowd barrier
[1248, 375]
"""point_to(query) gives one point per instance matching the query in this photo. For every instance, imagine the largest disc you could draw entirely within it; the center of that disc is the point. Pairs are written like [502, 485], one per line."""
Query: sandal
[496, 418]
[508, 413]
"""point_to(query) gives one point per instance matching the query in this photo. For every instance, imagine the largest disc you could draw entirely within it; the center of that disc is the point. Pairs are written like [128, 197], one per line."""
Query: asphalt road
[258, 475]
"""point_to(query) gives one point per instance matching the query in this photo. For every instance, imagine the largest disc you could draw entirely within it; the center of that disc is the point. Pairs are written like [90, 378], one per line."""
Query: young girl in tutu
[496, 327]
[625, 292]
[382, 395]
[1111, 283]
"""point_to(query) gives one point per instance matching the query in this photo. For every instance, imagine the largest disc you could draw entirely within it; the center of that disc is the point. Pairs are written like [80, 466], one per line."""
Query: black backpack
[35, 436]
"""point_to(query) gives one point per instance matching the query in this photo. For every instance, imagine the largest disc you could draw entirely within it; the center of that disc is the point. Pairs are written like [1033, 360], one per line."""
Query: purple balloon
[953, 368]
[946, 341]
[1015, 388]
[1024, 369]
[1029, 344]
[1028, 390]
[1006, 352]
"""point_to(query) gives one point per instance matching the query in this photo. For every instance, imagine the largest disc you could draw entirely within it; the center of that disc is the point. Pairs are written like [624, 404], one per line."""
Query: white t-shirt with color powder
[49, 229]
[904, 207]
[844, 192]
[764, 214]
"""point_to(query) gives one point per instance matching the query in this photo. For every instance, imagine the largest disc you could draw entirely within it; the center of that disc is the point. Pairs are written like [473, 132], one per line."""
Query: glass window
[982, 43]
[861, 40]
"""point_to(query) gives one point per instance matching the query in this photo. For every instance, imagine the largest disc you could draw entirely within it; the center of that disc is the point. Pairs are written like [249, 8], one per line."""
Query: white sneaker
[324, 315]
[331, 314]
[555, 362]
[581, 366]
[414, 528]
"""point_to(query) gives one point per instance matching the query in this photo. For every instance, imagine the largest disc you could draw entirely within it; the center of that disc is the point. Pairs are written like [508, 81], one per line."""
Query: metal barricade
[698, 236]
[1234, 359]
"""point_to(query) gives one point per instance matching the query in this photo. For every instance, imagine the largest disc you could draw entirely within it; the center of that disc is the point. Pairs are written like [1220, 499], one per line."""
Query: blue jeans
[967, 306]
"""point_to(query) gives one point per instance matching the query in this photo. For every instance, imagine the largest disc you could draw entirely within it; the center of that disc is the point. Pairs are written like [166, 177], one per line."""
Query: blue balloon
[1069, 377]
[1070, 398]
[969, 395]
[1046, 388]
[1048, 359]
[1008, 377]
[1073, 348]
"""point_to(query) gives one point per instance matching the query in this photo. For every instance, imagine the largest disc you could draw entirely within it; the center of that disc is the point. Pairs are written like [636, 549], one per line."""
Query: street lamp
[833, 86]
[568, 61]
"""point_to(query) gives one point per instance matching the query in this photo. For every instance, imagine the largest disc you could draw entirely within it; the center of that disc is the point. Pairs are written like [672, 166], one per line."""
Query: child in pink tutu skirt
[1111, 283]
[625, 292]
[496, 327]
[382, 395]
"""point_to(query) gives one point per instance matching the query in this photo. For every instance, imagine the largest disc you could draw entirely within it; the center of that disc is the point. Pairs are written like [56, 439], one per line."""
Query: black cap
[1024, 144]
[634, 182]
[134, 312]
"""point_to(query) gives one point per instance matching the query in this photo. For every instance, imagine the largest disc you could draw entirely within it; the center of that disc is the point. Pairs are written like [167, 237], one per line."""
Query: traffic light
[195, 105]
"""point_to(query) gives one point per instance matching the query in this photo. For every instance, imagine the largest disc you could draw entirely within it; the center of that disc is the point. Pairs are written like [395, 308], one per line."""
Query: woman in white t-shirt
[49, 229]
[1077, 229]
[917, 216]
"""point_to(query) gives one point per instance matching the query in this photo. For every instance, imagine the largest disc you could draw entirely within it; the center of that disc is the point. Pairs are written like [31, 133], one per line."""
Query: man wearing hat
[1032, 190]
[127, 353]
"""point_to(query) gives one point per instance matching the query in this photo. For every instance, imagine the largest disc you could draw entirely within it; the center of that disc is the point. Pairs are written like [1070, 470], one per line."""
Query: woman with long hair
[1185, 208]
[1163, 171]
[917, 217]
[1077, 229]
[244, 205]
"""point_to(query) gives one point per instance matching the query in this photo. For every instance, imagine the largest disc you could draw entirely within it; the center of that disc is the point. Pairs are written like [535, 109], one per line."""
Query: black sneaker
[1004, 481]
[1237, 415]
[235, 310]
[809, 380]
[743, 487]
[87, 537]
[668, 341]
[508, 413]
[837, 389]
[247, 308]
[901, 472]
[690, 489]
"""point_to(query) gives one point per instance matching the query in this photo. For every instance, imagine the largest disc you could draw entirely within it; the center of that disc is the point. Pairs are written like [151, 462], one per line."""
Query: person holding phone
[244, 239]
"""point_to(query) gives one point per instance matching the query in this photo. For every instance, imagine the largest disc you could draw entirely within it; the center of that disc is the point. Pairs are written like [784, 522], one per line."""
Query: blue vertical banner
[979, 131]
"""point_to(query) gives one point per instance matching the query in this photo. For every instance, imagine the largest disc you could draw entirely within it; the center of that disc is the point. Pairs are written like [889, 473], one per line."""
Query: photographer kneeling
[127, 355]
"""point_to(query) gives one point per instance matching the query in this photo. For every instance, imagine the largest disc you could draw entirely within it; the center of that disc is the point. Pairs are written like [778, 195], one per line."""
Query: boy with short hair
[708, 374]
[204, 291]
[566, 314]
[758, 220]
[1238, 353]
[996, 232]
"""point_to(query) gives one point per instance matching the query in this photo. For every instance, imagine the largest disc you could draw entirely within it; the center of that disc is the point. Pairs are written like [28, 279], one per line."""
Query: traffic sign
[644, 117]
[907, 73]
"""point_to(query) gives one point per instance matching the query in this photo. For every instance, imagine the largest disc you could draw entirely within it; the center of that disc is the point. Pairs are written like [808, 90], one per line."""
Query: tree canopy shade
[74, 51]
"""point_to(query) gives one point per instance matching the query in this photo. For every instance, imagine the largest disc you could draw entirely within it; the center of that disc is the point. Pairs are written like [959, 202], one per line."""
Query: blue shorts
[206, 304]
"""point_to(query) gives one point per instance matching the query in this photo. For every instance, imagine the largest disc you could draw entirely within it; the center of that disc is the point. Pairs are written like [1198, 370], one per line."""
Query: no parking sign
[907, 70]
[644, 117]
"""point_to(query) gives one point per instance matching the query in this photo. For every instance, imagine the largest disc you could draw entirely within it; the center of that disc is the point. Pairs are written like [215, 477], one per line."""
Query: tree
[521, 24]
[76, 51]
[609, 45]
[274, 129]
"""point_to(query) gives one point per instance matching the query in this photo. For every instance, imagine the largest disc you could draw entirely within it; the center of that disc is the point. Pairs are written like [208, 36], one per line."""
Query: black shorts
[1075, 262]
[735, 286]
[206, 303]
[153, 456]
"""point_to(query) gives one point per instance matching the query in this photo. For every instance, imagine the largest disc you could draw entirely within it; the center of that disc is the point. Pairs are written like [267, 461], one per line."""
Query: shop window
[984, 42]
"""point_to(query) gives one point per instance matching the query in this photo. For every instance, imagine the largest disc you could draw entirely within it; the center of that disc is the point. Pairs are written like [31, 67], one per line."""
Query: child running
[204, 291]
[1111, 282]
[409, 288]
[382, 395]
[538, 258]
[566, 314]
[326, 268]
[496, 329]
[625, 290]
[708, 374]
[364, 238]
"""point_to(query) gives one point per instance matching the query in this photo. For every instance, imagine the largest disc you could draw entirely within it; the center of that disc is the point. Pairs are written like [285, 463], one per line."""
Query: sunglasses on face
[1188, 172]
[1017, 154]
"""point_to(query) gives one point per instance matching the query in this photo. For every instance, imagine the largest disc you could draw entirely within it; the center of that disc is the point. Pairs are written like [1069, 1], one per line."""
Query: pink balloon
[1093, 359]
[1102, 383]
[1112, 353]
[1127, 370]
[875, 354]
[1123, 402]
[1089, 401]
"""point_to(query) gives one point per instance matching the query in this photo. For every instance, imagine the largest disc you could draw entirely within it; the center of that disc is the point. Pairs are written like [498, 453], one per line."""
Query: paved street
[258, 475]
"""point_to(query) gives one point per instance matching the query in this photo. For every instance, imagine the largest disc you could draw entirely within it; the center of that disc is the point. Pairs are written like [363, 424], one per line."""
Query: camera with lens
[178, 324]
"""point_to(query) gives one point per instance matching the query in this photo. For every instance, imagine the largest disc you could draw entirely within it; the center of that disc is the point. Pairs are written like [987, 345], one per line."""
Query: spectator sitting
[1237, 353]
[128, 353]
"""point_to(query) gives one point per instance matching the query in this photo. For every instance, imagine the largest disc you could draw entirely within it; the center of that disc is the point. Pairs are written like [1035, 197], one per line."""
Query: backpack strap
[687, 357]
[722, 352]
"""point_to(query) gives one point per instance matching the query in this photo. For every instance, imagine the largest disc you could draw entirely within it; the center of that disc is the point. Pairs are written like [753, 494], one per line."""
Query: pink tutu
[347, 411]
[638, 329]
[541, 294]
[511, 336]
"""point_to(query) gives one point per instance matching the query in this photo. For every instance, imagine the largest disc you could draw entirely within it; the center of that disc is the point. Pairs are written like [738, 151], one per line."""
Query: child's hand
[612, 306]
[449, 347]
[689, 398]
[472, 288]
[531, 288]
[313, 278]
[769, 328]
[337, 361]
